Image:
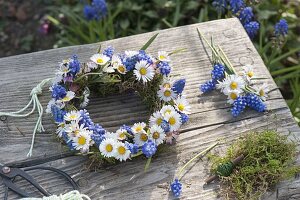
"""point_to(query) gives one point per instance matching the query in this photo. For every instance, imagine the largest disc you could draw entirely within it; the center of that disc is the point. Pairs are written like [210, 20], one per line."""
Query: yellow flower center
[109, 148]
[76, 132]
[138, 129]
[233, 96]
[172, 120]
[100, 60]
[180, 107]
[167, 93]
[233, 85]
[161, 57]
[144, 137]
[261, 93]
[121, 69]
[66, 98]
[81, 140]
[73, 117]
[159, 121]
[167, 85]
[121, 150]
[122, 135]
[155, 135]
[250, 74]
[143, 71]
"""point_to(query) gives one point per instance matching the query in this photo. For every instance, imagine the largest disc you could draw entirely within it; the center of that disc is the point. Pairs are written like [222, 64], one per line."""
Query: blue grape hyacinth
[252, 28]
[239, 106]
[236, 5]
[218, 72]
[220, 5]
[246, 15]
[178, 86]
[208, 86]
[281, 28]
[96, 11]
[149, 148]
[176, 188]
[254, 102]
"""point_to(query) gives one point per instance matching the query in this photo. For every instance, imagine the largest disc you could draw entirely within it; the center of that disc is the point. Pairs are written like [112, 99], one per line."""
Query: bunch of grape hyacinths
[238, 87]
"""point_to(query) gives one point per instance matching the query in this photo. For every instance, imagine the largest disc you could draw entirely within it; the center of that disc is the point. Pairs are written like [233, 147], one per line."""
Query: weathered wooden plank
[210, 118]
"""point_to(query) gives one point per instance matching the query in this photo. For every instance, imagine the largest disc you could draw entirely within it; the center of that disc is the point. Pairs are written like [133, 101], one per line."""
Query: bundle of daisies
[238, 87]
[70, 94]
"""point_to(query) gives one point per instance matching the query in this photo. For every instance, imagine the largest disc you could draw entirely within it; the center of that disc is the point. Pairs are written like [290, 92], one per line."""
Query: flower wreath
[109, 72]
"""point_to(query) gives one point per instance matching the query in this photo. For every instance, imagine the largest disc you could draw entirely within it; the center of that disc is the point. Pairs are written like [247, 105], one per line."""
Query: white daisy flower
[91, 65]
[155, 119]
[140, 138]
[232, 95]
[111, 135]
[166, 94]
[263, 91]
[73, 129]
[157, 134]
[72, 116]
[138, 127]
[108, 69]
[83, 141]
[122, 153]
[107, 147]
[69, 96]
[131, 53]
[182, 105]
[121, 134]
[231, 82]
[118, 65]
[166, 83]
[143, 71]
[61, 128]
[248, 72]
[163, 56]
[174, 119]
[63, 69]
[167, 110]
[86, 94]
[100, 59]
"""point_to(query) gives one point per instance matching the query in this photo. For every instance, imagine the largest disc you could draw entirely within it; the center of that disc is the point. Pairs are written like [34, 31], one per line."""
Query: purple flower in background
[246, 15]
[220, 5]
[281, 28]
[236, 5]
[252, 28]
[96, 11]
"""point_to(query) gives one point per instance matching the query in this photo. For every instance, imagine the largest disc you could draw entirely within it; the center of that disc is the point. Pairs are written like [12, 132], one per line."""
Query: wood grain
[209, 121]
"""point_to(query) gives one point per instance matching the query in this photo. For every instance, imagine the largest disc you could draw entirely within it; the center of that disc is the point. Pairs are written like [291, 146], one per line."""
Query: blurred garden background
[273, 25]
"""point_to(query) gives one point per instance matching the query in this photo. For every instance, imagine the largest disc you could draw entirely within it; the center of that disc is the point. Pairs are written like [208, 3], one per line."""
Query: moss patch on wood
[269, 158]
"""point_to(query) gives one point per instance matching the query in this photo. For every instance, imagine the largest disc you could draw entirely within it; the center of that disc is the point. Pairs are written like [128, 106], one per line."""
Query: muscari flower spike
[220, 5]
[236, 5]
[164, 68]
[96, 11]
[58, 92]
[127, 128]
[218, 72]
[165, 126]
[184, 118]
[74, 65]
[254, 102]
[239, 106]
[178, 86]
[246, 15]
[133, 148]
[252, 28]
[149, 148]
[58, 114]
[281, 28]
[176, 188]
[208, 86]
[109, 51]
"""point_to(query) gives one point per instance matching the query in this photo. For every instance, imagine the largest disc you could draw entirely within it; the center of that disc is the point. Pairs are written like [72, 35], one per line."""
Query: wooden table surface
[210, 118]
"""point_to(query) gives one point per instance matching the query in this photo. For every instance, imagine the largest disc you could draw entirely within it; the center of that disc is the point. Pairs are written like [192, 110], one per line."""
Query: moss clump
[269, 158]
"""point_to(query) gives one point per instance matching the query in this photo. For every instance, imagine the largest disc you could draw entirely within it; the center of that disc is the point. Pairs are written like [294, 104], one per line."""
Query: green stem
[137, 154]
[202, 153]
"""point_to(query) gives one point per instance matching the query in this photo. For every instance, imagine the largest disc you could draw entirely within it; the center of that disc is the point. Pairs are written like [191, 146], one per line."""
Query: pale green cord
[196, 156]
[36, 105]
[73, 195]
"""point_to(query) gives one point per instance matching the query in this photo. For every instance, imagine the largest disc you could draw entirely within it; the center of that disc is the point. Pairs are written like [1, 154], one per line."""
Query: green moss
[269, 158]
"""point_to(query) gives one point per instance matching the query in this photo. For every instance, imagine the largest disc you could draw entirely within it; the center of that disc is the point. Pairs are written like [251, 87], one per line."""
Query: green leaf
[149, 42]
